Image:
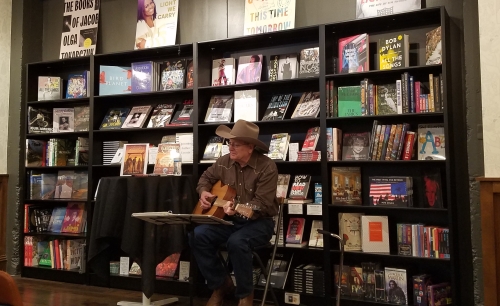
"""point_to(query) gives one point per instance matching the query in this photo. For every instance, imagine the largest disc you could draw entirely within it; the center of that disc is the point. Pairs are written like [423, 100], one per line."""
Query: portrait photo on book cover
[287, 67]
[249, 69]
[154, 27]
[63, 123]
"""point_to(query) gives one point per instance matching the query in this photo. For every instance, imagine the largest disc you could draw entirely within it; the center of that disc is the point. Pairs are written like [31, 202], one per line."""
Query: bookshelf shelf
[57, 168]
[385, 73]
[382, 208]
[53, 201]
[144, 95]
[390, 256]
[52, 234]
[56, 135]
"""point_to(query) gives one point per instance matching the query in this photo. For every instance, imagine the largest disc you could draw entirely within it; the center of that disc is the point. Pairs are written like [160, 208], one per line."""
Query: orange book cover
[168, 266]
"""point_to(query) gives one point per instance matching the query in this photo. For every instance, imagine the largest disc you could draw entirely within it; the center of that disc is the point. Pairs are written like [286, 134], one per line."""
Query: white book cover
[249, 69]
[366, 9]
[350, 228]
[316, 239]
[156, 23]
[431, 142]
[63, 120]
[279, 146]
[184, 271]
[246, 105]
[49, 88]
[223, 71]
[375, 234]
[124, 265]
[137, 117]
[282, 14]
[293, 149]
[186, 149]
[79, 28]
[118, 157]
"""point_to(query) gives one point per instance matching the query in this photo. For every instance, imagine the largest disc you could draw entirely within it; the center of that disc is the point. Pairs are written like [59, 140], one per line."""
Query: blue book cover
[56, 220]
[318, 193]
[142, 77]
[77, 85]
[48, 185]
[115, 80]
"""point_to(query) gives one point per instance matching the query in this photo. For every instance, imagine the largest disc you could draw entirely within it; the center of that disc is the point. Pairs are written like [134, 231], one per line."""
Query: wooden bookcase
[454, 214]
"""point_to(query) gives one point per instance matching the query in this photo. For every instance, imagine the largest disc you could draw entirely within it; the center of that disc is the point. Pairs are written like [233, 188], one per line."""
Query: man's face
[239, 151]
[357, 146]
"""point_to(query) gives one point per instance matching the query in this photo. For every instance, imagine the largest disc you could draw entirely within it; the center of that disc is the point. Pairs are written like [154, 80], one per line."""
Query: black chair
[260, 250]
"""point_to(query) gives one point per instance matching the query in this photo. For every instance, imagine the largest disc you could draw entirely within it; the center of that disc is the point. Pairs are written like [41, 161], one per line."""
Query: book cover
[49, 181]
[137, 117]
[433, 51]
[283, 67]
[161, 115]
[223, 71]
[386, 99]
[350, 230]
[356, 146]
[295, 230]
[283, 184]
[375, 234]
[431, 142]
[168, 266]
[249, 69]
[277, 107]
[143, 77]
[114, 118]
[63, 120]
[379, 290]
[73, 219]
[64, 185]
[82, 117]
[220, 109]
[345, 287]
[184, 115]
[390, 191]
[393, 51]
[278, 146]
[78, 86]
[279, 271]
[49, 88]
[396, 286]
[300, 186]
[166, 158]
[420, 293]
[40, 120]
[309, 62]
[156, 24]
[135, 159]
[353, 54]
[172, 74]
[308, 106]
[439, 294]
[432, 194]
[80, 185]
[35, 153]
[356, 281]
[246, 105]
[366, 9]
[315, 238]
[115, 80]
[311, 139]
[56, 220]
[190, 74]
[213, 149]
[349, 101]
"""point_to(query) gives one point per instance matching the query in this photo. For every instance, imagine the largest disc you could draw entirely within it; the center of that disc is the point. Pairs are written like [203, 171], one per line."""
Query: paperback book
[161, 115]
[223, 71]
[249, 69]
[114, 118]
[220, 109]
[277, 107]
[137, 117]
[353, 54]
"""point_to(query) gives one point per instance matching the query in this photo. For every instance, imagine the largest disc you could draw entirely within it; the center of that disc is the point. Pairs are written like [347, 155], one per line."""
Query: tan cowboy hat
[244, 131]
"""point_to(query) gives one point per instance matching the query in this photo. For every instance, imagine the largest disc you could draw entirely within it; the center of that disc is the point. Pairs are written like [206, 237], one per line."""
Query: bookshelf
[325, 36]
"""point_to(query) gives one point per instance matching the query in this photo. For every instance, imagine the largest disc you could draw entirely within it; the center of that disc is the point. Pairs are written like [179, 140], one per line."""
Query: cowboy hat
[244, 131]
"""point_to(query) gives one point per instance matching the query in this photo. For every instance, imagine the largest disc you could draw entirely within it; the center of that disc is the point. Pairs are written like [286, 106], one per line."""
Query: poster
[268, 16]
[79, 30]
[156, 23]
[374, 8]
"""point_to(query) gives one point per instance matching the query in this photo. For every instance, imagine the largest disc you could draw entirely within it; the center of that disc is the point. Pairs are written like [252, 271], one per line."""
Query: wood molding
[490, 233]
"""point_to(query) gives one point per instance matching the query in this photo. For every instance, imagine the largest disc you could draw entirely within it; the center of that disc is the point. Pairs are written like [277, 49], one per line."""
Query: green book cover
[349, 101]
[44, 254]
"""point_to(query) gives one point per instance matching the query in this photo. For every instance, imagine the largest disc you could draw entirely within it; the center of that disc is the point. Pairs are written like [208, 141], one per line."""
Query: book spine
[417, 97]
[399, 98]
[411, 86]
[408, 147]
[437, 96]
[431, 93]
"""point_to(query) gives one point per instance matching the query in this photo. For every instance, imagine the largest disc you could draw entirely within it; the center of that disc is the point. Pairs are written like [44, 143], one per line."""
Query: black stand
[165, 217]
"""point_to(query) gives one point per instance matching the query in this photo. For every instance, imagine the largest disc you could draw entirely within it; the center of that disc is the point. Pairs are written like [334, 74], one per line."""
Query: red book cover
[311, 139]
[295, 230]
[168, 266]
[408, 146]
[73, 218]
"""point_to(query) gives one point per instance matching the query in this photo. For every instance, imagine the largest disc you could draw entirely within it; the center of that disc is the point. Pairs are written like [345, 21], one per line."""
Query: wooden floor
[46, 293]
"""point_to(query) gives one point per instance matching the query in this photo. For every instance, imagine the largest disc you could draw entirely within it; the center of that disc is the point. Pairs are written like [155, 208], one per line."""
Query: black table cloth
[144, 242]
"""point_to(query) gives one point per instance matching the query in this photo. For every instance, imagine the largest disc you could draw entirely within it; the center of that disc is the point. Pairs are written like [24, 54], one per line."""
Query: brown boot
[218, 295]
[246, 301]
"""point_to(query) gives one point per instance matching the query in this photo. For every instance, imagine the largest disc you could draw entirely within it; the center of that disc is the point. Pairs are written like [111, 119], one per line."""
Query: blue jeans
[240, 238]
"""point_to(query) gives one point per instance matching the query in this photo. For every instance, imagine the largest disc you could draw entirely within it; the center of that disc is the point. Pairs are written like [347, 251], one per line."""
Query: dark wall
[201, 20]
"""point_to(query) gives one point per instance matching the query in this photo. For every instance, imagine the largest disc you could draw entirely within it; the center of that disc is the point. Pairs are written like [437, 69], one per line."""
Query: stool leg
[267, 275]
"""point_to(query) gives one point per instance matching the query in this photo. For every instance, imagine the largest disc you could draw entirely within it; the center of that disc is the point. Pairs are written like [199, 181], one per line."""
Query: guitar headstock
[245, 210]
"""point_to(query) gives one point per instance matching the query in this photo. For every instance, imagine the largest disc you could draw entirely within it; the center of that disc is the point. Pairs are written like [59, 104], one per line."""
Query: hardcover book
[366, 9]
[73, 220]
[391, 191]
[308, 106]
[279, 271]
[168, 266]
[223, 71]
[309, 62]
[143, 77]
[49, 88]
[213, 149]
[40, 120]
[396, 286]
[64, 120]
[137, 117]
[64, 185]
[311, 140]
[387, 102]
[278, 146]
[433, 50]
[277, 107]
[190, 74]
[283, 183]
[246, 105]
[135, 159]
[350, 229]
[161, 116]
[346, 185]
[315, 238]
[78, 86]
[35, 153]
[115, 80]
[300, 186]
[375, 234]
[394, 51]
[114, 118]
[172, 74]
[220, 109]
[431, 191]
[249, 69]
[56, 219]
[356, 146]
[295, 230]
[166, 158]
[82, 117]
[184, 115]
[349, 101]
[283, 67]
[353, 54]
[48, 188]
[431, 142]
[80, 185]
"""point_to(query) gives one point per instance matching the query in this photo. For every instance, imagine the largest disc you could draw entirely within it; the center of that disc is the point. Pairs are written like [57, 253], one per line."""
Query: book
[396, 286]
[315, 238]
[431, 192]
[249, 69]
[184, 115]
[277, 107]
[220, 109]
[64, 185]
[308, 106]
[73, 219]
[394, 51]
[356, 146]
[78, 86]
[63, 120]
[115, 80]
[353, 54]
[300, 186]
[356, 282]
[311, 139]
[81, 118]
[213, 150]
[295, 231]
[283, 67]
[394, 191]
[114, 118]
[433, 49]
[161, 115]
[439, 294]
[431, 142]
[172, 74]
[40, 120]
[49, 88]
[386, 100]
[80, 185]
[375, 234]
[350, 230]
[35, 153]
[366, 9]
[278, 146]
[420, 293]
[56, 219]
[134, 159]
[349, 101]
[223, 71]
[166, 159]
[137, 117]
[190, 74]
[143, 76]
[279, 271]
[309, 62]
[168, 266]
[283, 183]
[246, 105]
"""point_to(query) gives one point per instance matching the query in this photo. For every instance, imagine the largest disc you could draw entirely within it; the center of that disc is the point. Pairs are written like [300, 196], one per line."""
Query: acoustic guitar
[222, 194]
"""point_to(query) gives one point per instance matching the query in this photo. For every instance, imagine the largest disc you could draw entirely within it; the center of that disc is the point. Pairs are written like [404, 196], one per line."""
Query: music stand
[166, 217]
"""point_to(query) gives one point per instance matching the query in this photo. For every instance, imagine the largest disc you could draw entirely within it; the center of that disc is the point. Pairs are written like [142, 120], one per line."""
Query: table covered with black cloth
[144, 242]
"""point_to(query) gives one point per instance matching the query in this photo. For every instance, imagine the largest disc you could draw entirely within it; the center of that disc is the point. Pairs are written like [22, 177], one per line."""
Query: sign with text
[79, 30]
[262, 16]
[156, 23]
[374, 8]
